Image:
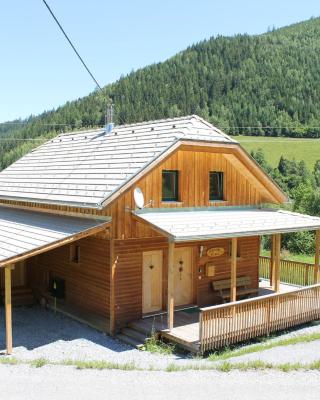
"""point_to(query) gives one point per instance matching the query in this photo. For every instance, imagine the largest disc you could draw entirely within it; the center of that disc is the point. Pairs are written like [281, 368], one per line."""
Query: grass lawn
[305, 258]
[299, 149]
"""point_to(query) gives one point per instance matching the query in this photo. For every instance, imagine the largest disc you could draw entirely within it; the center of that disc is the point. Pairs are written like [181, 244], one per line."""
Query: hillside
[291, 148]
[269, 84]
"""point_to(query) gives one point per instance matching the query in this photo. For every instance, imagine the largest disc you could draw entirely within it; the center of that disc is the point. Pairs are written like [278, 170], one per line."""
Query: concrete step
[134, 334]
[130, 340]
[141, 327]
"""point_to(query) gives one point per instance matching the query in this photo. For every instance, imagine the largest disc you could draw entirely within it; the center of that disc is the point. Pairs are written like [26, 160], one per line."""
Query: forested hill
[269, 82]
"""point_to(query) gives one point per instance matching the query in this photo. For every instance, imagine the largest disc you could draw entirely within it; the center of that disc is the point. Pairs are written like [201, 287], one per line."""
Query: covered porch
[26, 234]
[277, 305]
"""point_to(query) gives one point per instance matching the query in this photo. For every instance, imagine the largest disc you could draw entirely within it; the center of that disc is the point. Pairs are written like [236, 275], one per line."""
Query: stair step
[141, 327]
[134, 334]
[129, 340]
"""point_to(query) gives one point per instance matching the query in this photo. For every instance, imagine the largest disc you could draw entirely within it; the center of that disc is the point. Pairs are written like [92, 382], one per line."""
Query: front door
[183, 276]
[152, 281]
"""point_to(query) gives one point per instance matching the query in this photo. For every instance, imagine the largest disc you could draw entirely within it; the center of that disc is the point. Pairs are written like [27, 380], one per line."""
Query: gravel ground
[64, 383]
[41, 333]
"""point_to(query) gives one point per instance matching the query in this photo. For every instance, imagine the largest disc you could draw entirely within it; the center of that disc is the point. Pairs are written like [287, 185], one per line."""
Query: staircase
[136, 333]
[20, 296]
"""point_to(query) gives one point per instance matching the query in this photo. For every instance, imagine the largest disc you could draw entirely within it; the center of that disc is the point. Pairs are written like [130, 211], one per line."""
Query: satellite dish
[138, 197]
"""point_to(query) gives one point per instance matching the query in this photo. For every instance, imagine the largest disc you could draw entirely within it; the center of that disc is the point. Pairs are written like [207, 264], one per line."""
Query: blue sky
[39, 71]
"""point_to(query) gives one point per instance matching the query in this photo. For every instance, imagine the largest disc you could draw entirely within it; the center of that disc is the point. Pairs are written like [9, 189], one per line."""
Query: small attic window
[170, 185]
[132, 130]
[215, 185]
[74, 254]
[152, 129]
[173, 126]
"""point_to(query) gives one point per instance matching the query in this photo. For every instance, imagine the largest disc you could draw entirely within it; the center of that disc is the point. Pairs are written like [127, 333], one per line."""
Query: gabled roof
[85, 168]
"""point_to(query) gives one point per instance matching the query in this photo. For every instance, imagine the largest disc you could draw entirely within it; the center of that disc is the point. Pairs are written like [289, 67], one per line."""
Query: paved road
[56, 382]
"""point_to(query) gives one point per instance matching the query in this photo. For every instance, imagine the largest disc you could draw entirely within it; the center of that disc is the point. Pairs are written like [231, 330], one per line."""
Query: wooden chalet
[185, 265]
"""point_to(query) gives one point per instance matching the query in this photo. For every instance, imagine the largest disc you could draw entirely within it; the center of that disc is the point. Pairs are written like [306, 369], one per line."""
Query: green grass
[230, 353]
[273, 148]
[225, 366]
[100, 365]
[154, 345]
[9, 361]
[39, 362]
[257, 365]
[305, 258]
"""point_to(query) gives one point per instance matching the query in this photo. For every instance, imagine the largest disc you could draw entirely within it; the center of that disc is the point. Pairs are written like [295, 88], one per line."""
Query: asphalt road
[57, 382]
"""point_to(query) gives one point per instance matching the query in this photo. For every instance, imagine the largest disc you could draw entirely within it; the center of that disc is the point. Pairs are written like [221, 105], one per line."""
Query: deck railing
[293, 272]
[242, 320]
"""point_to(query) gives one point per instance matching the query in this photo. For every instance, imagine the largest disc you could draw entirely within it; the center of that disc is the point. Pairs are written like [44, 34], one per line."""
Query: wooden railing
[242, 320]
[294, 272]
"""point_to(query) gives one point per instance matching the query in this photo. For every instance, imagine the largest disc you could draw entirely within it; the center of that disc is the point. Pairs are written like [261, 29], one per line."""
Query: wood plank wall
[128, 296]
[247, 265]
[87, 284]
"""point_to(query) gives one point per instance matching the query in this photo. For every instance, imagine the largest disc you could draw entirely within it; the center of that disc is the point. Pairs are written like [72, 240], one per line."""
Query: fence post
[306, 275]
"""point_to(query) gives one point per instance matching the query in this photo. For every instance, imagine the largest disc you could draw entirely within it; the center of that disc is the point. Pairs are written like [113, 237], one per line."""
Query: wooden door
[183, 276]
[152, 281]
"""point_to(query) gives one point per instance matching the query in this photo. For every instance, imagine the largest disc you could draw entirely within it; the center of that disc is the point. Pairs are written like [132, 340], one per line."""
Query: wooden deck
[186, 332]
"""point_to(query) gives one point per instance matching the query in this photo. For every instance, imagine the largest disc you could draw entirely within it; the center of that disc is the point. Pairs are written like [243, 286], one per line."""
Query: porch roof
[192, 224]
[24, 233]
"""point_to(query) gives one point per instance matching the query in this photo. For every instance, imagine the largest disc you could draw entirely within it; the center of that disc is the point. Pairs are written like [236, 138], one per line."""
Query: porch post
[272, 260]
[113, 263]
[316, 258]
[170, 302]
[233, 289]
[277, 263]
[8, 307]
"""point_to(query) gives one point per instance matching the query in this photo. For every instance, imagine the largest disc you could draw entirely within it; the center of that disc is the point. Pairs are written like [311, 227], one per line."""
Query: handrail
[224, 324]
[292, 272]
[257, 299]
[289, 261]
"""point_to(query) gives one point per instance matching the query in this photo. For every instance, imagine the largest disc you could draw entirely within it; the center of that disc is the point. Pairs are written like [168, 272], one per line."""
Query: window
[170, 186]
[74, 254]
[215, 185]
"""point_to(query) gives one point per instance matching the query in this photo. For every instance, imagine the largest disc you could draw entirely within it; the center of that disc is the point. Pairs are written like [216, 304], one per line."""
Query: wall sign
[215, 252]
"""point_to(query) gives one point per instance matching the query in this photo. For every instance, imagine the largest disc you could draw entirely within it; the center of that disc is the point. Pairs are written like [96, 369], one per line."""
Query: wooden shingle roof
[85, 168]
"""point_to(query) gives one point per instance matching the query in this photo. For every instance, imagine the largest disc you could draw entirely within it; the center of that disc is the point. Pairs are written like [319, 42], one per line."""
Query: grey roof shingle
[85, 168]
[198, 224]
[22, 231]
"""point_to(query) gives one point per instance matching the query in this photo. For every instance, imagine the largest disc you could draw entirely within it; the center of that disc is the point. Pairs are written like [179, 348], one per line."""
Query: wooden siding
[18, 275]
[128, 296]
[247, 265]
[87, 283]
[194, 167]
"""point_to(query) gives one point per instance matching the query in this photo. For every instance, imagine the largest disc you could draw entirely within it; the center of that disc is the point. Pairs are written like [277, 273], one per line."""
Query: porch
[291, 298]
[189, 322]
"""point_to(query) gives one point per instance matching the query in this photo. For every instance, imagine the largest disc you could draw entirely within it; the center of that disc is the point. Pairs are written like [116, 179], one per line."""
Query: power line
[220, 126]
[71, 44]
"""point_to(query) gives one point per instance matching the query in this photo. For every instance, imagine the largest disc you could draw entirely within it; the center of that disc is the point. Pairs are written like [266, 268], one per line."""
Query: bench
[243, 287]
